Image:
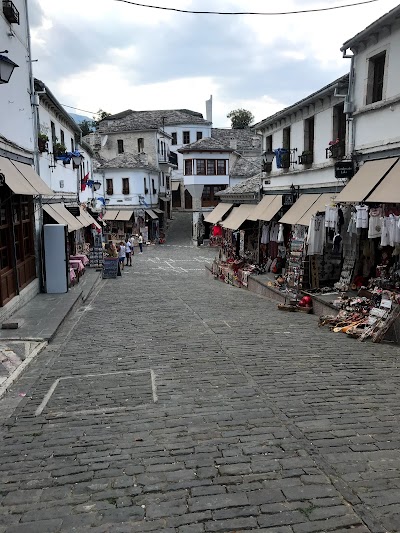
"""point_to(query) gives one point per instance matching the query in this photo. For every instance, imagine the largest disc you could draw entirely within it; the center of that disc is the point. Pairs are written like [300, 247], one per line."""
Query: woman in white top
[121, 255]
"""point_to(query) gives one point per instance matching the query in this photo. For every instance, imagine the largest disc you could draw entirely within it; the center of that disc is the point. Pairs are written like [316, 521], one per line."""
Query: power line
[245, 12]
[77, 109]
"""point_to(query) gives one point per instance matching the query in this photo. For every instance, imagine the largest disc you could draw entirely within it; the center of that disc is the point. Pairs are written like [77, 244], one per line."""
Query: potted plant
[42, 142]
[59, 149]
[306, 158]
[334, 149]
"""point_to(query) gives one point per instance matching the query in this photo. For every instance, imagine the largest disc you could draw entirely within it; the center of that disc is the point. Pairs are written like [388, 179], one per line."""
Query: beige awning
[124, 215]
[111, 214]
[301, 206]
[261, 206]
[317, 206]
[34, 179]
[369, 175]
[238, 216]
[270, 209]
[151, 214]
[388, 191]
[218, 212]
[175, 185]
[158, 211]
[14, 179]
[87, 220]
[62, 216]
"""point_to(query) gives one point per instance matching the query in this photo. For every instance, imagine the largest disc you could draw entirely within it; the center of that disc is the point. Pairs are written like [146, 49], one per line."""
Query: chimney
[233, 143]
[209, 109]
[142, 157]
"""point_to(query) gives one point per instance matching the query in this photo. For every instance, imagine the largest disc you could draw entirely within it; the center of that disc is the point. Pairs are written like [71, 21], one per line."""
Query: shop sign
[344, 170]
[111, 268]
[74, 210]
[288, 199]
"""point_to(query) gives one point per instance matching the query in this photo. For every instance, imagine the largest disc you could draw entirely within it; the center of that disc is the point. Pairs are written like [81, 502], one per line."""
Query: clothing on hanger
[316, 235]
[331, 216]
[375, 225]
[280, 237]
[361, 216]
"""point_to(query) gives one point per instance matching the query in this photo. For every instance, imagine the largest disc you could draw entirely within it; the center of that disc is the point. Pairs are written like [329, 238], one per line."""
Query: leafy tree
[240, 118]
[86, 127]
[100, 115]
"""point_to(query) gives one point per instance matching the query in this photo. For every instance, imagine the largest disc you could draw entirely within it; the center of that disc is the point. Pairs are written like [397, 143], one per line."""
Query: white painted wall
[136, 187]
[16, 123]
[377, 125]
[196, 179]
[193, 128]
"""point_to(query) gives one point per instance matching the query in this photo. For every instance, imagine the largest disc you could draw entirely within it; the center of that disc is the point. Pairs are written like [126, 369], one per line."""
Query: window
[72, 145]
[153, 187]
[146, 190]
[120, 143]
[125, 185]
[62, 137]
[221, 167]
[168, 183]
[286, 138]
[376, 74]
[268, 143]
[339, 123]
[53, 132]
[188, 167]
[163, 179]
[199, 135]
[200, 166]
[309, 135]
[109, 186]
[174, 138]
[209, 198]
[140, 144]
[210, 167]
[186, 137]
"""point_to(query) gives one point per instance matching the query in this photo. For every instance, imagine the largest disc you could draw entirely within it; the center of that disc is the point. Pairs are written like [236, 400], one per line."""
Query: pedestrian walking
[128, 253]
[140, 243]
[132, 241]
[121, 255]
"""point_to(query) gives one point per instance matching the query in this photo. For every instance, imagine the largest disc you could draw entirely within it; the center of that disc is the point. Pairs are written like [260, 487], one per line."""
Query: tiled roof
[148, 120]
[127, 161]
[249, 186]
[246, 166]
[206, 144]
[239, 139]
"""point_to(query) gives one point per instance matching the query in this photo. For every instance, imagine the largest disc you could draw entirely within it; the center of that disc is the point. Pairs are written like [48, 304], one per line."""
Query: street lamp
[77, 159]
[6, 67]
[96, 185]
[267, 158]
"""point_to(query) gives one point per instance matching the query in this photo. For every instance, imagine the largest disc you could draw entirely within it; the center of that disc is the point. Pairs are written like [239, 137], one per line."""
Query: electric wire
[190, 11]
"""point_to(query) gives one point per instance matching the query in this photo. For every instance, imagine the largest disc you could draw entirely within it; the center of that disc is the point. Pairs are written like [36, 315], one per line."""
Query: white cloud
[110, 55]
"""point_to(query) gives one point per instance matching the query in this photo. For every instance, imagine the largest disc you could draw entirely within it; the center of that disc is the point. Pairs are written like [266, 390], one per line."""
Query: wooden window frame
[120, 146]
[174, 136]
[109, 186]
[376, 78]
[201, 164]
[125, 185]
[186, 135]
[199, 135]
[211, 162]
[188, 165]
[219, 161]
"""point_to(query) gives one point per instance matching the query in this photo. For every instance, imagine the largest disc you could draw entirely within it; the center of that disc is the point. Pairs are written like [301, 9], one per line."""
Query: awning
[175, 185]
[163, 198]
[366, 179]
[217, 213]
[261, 206]
[22, 179]
[238, 216]
[388, 191]
[124, 215]
[34, 179]
[62, 216]
[270, 209]
[158, 211]
[298, 209]
[151, 214]
[317, 206]
[87, 219]
[111, 214]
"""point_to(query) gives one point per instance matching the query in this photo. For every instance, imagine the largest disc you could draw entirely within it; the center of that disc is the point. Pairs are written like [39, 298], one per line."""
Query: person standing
[121, 255]
[128, 253]
[140, 243]
[132, 241]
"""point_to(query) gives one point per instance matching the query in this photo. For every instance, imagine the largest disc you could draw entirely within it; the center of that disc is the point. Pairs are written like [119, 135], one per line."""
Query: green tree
[100, 115]
[86, 127]
[240, 118]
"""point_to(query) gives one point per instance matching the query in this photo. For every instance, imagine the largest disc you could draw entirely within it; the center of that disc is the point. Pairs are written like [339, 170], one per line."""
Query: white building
[307, 138]
[373, 103]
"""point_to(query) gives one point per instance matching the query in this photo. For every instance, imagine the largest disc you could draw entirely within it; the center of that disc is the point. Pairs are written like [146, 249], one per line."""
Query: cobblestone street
[174, 403]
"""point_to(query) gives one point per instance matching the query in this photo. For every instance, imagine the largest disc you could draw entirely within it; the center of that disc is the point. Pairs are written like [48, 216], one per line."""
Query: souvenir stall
[119, 224]
[213, 220]
[238, 253]
[272, 252]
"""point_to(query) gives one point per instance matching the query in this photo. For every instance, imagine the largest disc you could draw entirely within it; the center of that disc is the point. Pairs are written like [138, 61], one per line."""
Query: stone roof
[206, 144]
[127, 160]
[250, 186]
[150, 120]
[238, 139]
[246, 166]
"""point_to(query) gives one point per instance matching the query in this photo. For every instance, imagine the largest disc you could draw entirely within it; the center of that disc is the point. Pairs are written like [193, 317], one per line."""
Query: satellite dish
[104, 140]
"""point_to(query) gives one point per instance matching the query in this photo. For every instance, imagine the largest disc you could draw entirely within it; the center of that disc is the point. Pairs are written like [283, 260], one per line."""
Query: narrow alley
[173, 403]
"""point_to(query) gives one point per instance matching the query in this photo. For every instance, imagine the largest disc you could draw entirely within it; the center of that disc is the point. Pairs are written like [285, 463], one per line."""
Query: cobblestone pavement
[173, 403]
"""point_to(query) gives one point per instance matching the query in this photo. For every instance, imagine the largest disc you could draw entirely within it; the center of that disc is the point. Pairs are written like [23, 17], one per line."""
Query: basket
[307, 309]
[286, 307]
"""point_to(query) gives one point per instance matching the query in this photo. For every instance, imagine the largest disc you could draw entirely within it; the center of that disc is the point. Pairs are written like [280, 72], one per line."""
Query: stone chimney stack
[209, 109]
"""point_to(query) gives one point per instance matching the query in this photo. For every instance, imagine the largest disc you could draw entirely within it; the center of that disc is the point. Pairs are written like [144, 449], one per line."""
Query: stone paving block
[42, 526]
[218, 501]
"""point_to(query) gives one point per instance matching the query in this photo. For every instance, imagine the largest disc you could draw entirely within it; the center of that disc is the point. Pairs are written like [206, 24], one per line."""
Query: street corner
[15, 356]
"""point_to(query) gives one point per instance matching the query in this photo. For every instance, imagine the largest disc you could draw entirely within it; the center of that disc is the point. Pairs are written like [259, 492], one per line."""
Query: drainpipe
[35, 122]
[349, 104]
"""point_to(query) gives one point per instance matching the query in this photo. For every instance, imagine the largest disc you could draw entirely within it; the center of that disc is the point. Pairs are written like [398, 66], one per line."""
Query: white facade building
[373, 102]
[307, 139]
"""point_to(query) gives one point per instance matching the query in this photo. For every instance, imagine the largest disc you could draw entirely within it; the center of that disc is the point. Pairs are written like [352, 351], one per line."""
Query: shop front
[19, 188]
[212, 223]
[153, 225]
[120, 224]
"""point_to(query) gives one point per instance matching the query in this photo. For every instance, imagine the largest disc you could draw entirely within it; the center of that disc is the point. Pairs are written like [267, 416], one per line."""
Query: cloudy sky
[110, 55]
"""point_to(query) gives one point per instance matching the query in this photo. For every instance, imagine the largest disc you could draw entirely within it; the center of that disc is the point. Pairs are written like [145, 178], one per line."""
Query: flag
[84, 182]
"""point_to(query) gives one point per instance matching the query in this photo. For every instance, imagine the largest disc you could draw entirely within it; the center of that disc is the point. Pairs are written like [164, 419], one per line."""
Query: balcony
[336, 150]
[10, 12]
[306, 158]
